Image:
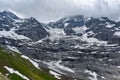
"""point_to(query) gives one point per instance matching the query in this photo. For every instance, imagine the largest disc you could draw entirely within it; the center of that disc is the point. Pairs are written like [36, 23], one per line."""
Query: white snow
[109, 25]
[72, 57]
[117, 33]
[40, 41]
[81, 29]
[4, 25]
[111, 45]
[13, 49]
[66, 24]
[20, 21]
[56, 75]
[118, 66]
[11, 70]
[56, 33]
[93, 74]
[19, 15]
[12, 35]
[92, 40]
[90, 33]
[102, 77]
[55, 65]
[63, 67]
[66, 19]
[33, 62]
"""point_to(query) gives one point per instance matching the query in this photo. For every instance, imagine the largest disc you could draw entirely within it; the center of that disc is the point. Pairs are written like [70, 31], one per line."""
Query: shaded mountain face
[76, 47]
[6, 20]
[30, 27]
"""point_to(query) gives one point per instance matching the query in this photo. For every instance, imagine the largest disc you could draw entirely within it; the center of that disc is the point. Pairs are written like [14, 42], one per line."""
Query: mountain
[30, 27]
[100, 28]
[72, 48]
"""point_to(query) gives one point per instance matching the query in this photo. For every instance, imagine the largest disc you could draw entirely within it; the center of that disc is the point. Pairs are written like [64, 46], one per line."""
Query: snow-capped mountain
[73, 48]
[14, 27]
[100, 28]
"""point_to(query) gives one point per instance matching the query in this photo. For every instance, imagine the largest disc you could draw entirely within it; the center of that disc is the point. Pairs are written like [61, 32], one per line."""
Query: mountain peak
[7, 11]
[9, 14]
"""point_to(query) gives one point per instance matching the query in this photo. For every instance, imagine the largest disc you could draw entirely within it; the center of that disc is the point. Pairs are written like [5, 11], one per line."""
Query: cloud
[48, 10]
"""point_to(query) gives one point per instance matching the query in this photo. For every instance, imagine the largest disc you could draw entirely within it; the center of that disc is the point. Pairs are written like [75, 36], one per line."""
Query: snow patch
[56, 33]
[117, 33]
[81, 29]
[56, 75]
[13, 49]
[19, 21]
[93, 74]
[11, 70]
[109, 25]
[55, 65]
[92, 40]
[102, 77]
[33, 62]
[66, 24]
[12, 35]
[72, 57]
[118, 67]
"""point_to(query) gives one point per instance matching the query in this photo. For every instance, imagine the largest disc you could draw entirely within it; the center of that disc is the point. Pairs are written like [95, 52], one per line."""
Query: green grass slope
[15, 61]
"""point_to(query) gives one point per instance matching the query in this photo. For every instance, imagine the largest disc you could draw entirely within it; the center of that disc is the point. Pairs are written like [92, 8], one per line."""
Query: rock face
[77, 47]
[30, 27]
[6, 20]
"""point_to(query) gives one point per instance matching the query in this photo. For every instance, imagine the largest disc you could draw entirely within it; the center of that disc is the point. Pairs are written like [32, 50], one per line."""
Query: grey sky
[48, 10]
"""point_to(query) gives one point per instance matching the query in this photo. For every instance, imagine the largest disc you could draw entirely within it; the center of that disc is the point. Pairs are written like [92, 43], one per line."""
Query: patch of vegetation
[15, 61]
[15, 77]
[2, 77]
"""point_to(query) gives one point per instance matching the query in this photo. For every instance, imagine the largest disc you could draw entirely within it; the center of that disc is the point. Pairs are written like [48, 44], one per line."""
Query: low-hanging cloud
[48, 10]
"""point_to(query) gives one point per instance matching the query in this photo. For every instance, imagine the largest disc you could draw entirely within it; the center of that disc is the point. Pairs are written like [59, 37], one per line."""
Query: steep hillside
[17, 68]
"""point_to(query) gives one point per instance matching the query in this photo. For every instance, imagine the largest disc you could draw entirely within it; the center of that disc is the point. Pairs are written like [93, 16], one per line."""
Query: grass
[15, 77]
[15, 61]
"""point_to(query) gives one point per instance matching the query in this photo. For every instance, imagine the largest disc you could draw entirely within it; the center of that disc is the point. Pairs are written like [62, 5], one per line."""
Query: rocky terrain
[72, 48]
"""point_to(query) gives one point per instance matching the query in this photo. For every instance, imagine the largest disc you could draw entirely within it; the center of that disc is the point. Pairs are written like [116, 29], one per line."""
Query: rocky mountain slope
[72, 48]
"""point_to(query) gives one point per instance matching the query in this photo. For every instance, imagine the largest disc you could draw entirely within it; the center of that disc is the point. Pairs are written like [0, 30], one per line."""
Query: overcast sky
[50, 10]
